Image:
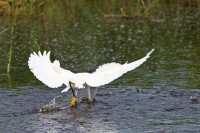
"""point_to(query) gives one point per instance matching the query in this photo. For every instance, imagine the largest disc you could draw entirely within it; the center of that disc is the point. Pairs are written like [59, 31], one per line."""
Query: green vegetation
[10, 50]
[4, 30]
[9, 59]
[132, 7]
[36, 46]
[11, 7]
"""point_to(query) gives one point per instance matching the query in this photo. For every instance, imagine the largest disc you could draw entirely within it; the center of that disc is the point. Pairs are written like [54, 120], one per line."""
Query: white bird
[52, 75]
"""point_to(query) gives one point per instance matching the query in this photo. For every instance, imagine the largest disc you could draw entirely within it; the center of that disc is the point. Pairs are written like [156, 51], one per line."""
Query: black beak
[72, 89]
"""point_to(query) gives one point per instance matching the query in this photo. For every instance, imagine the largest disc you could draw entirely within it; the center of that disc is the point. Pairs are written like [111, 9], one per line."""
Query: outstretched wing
[107, 67]
[49, 73]
[105, 74]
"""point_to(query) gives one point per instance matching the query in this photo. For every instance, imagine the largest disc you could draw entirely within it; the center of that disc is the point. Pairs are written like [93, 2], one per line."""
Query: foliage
[9, 59]
[15, 7]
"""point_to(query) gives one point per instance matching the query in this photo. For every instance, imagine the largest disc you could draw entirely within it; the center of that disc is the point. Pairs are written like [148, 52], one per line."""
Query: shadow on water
[162, 95]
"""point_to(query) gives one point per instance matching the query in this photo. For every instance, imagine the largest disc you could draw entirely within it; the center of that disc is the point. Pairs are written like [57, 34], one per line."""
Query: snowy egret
[51, 74]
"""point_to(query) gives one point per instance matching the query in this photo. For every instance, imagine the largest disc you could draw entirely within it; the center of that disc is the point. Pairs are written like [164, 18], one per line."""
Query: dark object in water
[51, 106]
[194, 100]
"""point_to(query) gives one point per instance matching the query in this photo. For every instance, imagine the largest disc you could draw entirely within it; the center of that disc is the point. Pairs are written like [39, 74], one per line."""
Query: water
[159, 96]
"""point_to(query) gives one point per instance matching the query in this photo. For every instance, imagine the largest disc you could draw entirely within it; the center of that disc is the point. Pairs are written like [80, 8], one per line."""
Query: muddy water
[126, 110]
[162, 95]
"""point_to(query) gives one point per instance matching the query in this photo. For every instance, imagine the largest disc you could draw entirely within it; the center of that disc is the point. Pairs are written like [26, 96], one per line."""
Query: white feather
[79, 79]
[107, 66]
[65, 90]
[49, 73]
[54, 76]
[109, 74]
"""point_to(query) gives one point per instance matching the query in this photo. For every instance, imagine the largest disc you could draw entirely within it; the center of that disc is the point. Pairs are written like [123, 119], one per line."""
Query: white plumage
[54, 76]
[49, 73]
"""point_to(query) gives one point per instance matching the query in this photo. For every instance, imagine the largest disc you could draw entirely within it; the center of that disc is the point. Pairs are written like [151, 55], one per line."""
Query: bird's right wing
[49, 73]
[109, 72]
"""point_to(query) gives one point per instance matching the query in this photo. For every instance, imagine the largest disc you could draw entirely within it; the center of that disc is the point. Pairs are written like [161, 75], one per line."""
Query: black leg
[72, 89]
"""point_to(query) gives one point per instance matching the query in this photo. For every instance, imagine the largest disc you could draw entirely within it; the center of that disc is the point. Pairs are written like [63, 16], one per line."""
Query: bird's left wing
[109, 72]
[108, 66]
[49, 73]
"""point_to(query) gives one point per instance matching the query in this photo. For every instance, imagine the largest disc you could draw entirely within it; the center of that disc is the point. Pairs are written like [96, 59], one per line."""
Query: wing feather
[107, 67]
[49, 73]
[105, 74]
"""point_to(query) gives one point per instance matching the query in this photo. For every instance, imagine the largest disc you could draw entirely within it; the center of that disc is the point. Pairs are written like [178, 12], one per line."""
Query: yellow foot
[73, 102]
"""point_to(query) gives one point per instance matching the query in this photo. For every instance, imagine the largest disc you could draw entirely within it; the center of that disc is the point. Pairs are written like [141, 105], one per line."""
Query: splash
[51, 106]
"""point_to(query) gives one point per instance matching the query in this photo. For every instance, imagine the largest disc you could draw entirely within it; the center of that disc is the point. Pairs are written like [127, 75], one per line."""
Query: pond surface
[162, 95]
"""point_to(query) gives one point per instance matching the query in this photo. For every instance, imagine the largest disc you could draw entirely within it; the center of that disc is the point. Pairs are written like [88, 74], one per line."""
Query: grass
[11, 7]
[132, 7]
[9, 59]
[4, 30]
[36, 46]
[10, 50]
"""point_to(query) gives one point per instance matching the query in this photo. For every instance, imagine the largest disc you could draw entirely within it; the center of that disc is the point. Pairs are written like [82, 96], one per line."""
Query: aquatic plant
[36, 45]
[10, 50]
[9, 59]
[4, 30]
[132, 7]
[11, 7]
